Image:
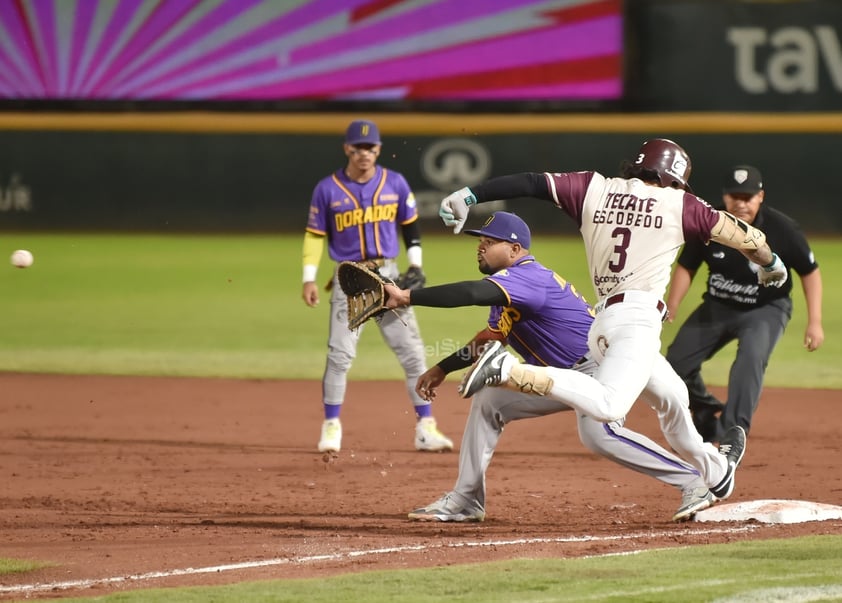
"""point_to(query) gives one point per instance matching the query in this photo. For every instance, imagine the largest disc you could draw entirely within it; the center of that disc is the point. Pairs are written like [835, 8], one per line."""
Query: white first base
[771, 511]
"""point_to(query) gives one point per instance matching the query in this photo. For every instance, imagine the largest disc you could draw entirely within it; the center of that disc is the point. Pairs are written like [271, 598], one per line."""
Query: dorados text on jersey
[358, 216]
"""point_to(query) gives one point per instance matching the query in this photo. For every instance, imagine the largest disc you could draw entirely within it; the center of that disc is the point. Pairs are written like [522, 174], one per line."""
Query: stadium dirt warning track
[123, 483]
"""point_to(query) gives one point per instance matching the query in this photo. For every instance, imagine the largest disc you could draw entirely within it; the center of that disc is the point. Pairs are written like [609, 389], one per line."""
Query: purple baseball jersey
[361, 219]
[546, 320]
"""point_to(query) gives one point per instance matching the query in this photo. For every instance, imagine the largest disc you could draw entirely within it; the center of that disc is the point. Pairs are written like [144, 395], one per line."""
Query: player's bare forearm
[812, 286]
[428, 383]
[678, 288]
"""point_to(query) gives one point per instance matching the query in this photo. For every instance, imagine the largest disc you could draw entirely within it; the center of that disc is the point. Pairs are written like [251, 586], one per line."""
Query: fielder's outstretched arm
[524, 184]
[453, 295]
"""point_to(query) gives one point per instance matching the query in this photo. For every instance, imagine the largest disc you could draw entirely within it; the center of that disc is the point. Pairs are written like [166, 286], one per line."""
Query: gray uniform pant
[493, 407]
[707, 330]
[404, 340]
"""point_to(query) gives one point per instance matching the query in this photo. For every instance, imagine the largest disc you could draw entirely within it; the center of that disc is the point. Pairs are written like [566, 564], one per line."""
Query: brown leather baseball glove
[365, 292]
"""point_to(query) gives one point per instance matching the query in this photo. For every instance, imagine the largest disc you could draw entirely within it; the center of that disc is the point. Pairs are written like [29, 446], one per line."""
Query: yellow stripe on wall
[434, 124]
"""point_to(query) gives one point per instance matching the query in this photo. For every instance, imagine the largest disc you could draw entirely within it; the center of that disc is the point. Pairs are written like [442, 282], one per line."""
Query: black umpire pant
[707, 330]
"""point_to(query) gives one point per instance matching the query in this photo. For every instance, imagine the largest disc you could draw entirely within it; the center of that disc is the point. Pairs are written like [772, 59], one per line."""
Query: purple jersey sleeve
[407, 208]
[568, 191]
[317, 219]
[546, 321]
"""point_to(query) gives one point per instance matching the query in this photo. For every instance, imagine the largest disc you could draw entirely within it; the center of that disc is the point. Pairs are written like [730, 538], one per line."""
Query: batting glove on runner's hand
[774, 274]
[454, 208]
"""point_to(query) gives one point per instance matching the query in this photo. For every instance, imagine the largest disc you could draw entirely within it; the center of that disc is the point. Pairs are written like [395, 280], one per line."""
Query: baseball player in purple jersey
[546, 321]
[632, 227]
[358, 209]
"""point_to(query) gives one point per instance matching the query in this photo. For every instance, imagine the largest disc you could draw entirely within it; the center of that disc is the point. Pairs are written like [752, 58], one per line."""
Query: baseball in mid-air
[22, 258]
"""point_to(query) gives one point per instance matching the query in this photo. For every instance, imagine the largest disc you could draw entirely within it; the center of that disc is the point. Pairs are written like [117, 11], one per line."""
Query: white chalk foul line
[229, 567]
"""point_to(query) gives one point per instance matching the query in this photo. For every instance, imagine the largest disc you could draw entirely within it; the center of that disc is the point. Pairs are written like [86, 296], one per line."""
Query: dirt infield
[109, 477]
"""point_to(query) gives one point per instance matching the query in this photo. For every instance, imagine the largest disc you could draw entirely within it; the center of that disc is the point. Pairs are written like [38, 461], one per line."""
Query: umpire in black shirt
[735, 306]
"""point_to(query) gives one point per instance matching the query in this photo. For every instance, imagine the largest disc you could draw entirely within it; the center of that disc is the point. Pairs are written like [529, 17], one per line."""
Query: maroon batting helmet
[669, 161]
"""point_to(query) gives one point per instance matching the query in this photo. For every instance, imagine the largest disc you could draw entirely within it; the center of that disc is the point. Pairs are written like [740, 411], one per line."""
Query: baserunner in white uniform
[632, 227]
[541, 316]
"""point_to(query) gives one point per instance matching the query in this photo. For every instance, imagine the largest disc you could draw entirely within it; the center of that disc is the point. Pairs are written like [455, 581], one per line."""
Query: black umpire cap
[743, 179]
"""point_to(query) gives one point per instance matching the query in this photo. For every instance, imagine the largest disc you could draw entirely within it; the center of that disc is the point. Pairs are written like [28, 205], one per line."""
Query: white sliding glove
[454, 208]
[774, 274]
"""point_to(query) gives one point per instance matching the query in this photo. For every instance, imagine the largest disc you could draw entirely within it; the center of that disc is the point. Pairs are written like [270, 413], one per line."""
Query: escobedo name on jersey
[626, 209]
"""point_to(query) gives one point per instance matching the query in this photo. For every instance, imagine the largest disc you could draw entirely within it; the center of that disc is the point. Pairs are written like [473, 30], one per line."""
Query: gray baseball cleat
[487, 370]
[693, 500]
[449, 508]
[733, 447]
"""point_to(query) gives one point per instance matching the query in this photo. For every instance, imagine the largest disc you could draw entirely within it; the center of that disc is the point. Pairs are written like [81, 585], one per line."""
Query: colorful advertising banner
[323, 50]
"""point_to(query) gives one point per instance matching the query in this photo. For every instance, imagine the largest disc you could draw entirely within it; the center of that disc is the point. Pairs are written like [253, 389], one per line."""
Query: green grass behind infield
[19, 566]
[230, 306]
[803, 569]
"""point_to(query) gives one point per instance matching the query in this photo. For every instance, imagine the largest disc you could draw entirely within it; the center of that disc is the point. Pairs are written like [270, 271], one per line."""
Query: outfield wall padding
[256, 173]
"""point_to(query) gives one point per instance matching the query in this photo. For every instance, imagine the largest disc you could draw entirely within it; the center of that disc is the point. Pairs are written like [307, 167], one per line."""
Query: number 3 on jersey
[624, 236]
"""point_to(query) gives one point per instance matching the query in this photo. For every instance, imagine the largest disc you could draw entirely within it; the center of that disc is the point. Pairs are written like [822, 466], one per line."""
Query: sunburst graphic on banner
[314, 49]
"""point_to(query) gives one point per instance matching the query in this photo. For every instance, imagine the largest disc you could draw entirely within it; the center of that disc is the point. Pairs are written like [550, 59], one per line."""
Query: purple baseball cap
[506, 227]
[362, 131]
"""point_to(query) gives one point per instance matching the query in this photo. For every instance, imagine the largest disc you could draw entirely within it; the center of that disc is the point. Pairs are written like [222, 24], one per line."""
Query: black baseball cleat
[733, 447]
[487, 370]
[733, 444]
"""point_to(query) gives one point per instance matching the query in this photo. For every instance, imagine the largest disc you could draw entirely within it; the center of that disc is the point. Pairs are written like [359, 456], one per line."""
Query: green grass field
[230, 306]
[803, 569]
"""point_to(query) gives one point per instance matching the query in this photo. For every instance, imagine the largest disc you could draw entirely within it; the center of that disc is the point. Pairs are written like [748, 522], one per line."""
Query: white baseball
[22, 258]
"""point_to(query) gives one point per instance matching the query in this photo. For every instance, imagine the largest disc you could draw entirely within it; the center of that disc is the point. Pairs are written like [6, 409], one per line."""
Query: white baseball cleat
[331, 440]
[428, 437]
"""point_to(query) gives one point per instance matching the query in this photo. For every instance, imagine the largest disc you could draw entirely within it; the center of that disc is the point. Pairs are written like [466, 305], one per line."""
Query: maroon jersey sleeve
[699, 218]
[568, 191]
